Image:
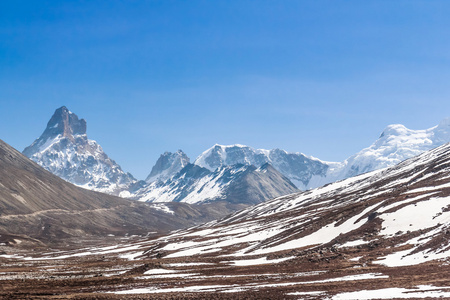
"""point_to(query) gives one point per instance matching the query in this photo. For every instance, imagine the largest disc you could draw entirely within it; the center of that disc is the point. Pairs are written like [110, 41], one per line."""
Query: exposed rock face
[168, 165]
[65, 150]
[63, 123]
[237, 184]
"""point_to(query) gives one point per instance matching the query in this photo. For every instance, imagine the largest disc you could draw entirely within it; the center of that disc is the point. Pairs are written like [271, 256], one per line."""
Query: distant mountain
[395, 144]
[298, 167]
[238, 184]
[65, 150]
[168, 165]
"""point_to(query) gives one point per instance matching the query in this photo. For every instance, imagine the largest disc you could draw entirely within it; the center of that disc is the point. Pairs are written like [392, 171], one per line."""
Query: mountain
[65, 150]
[395, 144]
[167, 165]
[298, 167]
[237, 184]
[35, 204]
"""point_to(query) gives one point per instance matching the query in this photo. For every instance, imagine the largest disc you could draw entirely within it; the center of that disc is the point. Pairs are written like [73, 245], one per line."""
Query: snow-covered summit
[398, 143]
[64, 149]
[395, 144]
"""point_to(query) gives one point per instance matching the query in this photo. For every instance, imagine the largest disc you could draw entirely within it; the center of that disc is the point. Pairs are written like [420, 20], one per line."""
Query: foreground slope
[37, 204]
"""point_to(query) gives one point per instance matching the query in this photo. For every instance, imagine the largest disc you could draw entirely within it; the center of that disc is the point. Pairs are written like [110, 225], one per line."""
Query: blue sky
[319, 77]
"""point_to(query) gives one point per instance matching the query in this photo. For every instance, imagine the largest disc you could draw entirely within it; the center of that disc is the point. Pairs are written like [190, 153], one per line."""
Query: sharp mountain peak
[66, 123]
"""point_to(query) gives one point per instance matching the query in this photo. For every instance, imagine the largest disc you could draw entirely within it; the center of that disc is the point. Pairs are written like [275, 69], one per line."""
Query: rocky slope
[65, 150]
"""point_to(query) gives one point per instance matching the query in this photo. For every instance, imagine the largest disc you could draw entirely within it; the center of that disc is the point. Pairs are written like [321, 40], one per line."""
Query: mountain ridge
[395, 144]
[238, 184]
[167, 165]
[65, 150]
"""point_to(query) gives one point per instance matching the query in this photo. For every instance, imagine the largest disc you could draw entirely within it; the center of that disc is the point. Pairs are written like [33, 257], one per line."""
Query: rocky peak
[66, 123]
[63, 123]
[167, 165]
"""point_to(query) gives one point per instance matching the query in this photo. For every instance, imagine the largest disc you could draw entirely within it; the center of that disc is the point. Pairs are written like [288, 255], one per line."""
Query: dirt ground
[65, 273]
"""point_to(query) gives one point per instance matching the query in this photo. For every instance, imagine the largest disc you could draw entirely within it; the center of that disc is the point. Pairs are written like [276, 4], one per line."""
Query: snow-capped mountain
[298, 167]
[167, 166]
[395, 144]
[238, 184]
[65, 150]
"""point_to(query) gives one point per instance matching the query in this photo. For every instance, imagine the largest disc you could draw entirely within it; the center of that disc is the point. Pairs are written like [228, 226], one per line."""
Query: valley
[379, 235]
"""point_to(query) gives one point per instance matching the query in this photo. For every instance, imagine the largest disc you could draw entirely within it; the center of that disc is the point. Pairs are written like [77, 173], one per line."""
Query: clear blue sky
[319, 77]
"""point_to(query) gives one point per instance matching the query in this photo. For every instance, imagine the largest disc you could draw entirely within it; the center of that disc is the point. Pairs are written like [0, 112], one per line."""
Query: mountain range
[395, 144]
[36, 205]
[220, 173]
